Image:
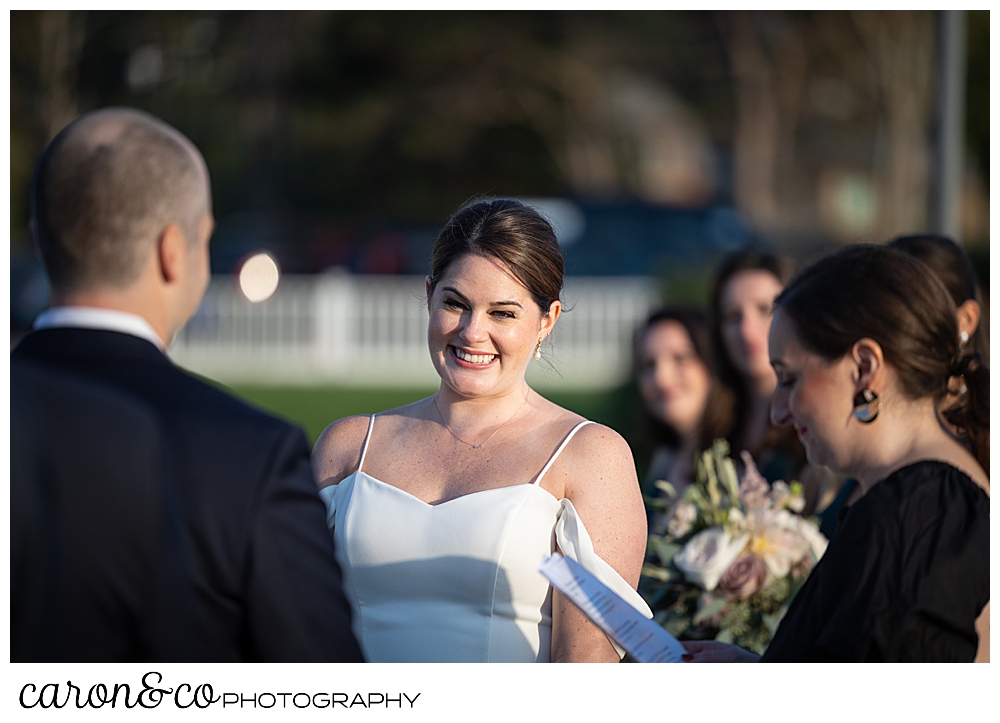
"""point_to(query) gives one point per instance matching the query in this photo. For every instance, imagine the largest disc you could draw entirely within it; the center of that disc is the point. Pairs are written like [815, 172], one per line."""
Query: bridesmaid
[865, 344]
[745, 286]
[680, 394]
[950, 264]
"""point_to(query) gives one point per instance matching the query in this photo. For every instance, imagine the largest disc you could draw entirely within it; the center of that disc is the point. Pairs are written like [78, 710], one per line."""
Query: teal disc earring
[866, 406]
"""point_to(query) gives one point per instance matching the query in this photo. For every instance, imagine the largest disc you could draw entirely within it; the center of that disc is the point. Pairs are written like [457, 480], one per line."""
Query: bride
[442, 510]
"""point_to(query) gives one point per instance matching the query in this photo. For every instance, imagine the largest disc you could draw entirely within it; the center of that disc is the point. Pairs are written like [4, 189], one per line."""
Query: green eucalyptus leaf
[664, 486]
[794, 585]
[650, 500]
[771, 622]
[725, 636]
[655, 572]
[713, 486]
[710, 610]
[666, 550]
[700, 501]
[730, 481]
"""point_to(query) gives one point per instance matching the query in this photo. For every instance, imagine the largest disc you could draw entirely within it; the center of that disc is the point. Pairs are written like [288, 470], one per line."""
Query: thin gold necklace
[480, 445]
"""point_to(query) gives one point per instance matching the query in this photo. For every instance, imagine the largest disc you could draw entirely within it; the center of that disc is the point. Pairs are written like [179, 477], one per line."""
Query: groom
[121, 212]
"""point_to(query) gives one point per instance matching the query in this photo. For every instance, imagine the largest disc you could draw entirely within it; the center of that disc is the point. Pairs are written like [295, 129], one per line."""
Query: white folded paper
[643, 638]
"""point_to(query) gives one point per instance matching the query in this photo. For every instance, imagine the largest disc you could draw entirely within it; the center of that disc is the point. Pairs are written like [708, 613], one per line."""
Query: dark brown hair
[511, 232]
[718, 405]
[104, 189]
[889, 296]
[729, 376]
[952, 265]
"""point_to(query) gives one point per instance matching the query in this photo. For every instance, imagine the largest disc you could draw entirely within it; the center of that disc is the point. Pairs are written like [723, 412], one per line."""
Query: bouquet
[726, 557]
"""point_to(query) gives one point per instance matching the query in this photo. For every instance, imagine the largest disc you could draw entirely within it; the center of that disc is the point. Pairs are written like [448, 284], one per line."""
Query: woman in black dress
[865, 345]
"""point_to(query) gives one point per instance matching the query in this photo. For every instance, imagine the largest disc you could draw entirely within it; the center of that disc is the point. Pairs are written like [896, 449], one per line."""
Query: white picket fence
[372, 331]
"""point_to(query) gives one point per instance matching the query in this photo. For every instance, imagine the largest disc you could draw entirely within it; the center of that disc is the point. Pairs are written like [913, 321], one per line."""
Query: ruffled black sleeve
[904, 578]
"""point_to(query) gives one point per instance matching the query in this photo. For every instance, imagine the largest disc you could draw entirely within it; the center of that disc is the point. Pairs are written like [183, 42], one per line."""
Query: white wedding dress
[456, 581]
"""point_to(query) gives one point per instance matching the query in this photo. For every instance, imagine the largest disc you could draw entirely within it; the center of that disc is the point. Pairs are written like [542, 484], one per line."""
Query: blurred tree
[901, 46]
[977, 92]
[60, 43]
[976, 201]
[833, 119]
[321, 124]
[402, 114]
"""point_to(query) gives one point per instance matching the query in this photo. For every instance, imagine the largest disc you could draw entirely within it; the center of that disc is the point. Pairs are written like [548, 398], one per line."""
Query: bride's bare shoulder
[599, 444]
[594, 446]
[337, 451]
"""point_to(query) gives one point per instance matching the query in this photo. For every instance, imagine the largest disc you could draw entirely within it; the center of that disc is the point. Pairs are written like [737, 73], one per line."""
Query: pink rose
[743, 578]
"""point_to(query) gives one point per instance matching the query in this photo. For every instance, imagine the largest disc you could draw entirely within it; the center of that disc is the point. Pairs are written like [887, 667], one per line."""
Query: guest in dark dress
[684, 410]
[745, 285]
[743, 292]
[865, 345]
[952, 265]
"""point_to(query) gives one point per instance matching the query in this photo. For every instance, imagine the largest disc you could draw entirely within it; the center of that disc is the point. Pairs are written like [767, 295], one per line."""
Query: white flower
[777, 558]
[805, 529]
[785, 541]
[682, 518]
[785, 520]
[817, 542]
[707, 555]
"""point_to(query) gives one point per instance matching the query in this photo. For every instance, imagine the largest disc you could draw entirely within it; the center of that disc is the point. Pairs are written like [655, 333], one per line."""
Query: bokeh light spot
[259, 277]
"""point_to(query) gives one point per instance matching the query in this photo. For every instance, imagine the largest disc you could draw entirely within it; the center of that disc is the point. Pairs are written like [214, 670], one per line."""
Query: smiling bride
[443, 510]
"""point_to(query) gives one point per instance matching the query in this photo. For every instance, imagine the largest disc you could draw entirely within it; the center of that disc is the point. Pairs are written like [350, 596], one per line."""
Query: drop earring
[538, 350]
[866, 406]
[964, 337]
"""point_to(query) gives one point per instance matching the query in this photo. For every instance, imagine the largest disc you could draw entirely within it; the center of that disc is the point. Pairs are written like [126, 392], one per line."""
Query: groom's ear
[172, 250]
[427, 288]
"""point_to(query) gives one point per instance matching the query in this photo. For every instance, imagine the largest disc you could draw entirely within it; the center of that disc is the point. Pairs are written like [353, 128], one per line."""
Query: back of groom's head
[104, 190]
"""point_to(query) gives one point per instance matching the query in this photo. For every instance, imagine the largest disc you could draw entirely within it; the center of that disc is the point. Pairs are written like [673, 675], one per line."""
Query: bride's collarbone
[450, 468]
[439, 475]
[427, 462]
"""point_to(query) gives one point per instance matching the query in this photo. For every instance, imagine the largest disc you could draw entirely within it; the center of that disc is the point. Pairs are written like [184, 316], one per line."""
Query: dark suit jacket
[96, 572]
[266, 583]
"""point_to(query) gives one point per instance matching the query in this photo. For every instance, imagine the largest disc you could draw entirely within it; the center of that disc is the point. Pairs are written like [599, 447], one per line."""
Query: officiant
[121, 213]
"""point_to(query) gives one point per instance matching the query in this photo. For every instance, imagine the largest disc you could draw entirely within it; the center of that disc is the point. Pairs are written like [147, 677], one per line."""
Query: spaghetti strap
[368, 437]
[560, 449]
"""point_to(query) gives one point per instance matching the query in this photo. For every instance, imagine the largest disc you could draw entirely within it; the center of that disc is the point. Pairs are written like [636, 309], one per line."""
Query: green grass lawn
[313, 408]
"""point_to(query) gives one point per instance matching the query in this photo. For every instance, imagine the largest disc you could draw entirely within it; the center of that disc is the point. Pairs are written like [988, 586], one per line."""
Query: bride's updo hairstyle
[508, 231]
[886, 295]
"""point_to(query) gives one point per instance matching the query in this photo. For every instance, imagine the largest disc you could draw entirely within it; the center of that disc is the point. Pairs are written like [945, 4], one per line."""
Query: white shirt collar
[89, 317]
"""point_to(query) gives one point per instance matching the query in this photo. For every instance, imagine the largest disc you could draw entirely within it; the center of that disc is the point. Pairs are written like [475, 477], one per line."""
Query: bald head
[104, 190]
